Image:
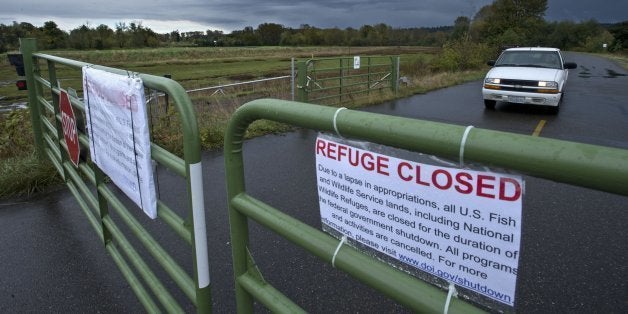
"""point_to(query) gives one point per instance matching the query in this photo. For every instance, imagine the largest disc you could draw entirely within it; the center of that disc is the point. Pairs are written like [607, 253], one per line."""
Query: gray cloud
[601, 10]
[236, 14]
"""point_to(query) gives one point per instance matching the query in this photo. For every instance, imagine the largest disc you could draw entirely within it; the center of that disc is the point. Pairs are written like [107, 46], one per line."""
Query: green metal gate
[339, 80]
[88, 185]
[591, 166]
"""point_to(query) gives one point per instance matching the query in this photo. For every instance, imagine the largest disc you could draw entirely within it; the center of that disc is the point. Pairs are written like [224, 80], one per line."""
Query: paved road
[594, 110]
[574, 247]
[574, 250]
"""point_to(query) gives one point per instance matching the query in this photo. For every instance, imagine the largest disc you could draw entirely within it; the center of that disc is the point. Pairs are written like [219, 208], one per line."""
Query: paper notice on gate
[460, 225]
[119, 138]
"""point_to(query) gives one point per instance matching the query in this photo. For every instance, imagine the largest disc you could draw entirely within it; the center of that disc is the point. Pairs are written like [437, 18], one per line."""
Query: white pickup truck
[535, 76]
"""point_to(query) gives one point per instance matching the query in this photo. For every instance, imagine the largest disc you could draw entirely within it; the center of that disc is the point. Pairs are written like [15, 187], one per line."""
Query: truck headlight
[548, 84]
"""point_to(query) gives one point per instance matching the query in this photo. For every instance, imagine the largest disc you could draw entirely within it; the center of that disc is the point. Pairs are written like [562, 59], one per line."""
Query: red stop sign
[70, 133]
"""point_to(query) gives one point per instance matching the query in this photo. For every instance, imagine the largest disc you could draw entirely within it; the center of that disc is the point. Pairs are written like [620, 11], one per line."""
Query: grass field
[21, 173]
[196, 68]
[193, 68]
[199, 67]
[620, 58]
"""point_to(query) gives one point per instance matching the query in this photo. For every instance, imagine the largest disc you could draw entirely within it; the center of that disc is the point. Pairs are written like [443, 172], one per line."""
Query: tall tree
[270, 33]
[461, 28]
[121, 34]
[620, 32]
[506, 21]
[104, 38]
[245, 37]
[333, 37]
[81, 38]
[53, 37]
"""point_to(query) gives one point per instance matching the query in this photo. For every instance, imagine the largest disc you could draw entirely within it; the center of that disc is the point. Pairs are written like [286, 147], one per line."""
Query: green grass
[620, 58]
[26, 175]
[22, 174]
[198, 67]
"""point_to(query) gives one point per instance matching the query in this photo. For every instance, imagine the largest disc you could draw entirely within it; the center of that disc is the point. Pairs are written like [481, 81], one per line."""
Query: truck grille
[520, 82]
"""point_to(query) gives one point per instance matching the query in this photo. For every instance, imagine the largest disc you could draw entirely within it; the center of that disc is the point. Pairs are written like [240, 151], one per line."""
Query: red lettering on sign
[444, 174]
[400, 171]
[464, 185]
[320, 147]
[342, 151]
[68, 122]
[382, 165]
[331, 151]
[366, 160]
[483, 185]
[502, 189]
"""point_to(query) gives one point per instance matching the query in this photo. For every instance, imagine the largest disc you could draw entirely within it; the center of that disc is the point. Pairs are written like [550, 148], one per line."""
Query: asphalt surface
[574, 250]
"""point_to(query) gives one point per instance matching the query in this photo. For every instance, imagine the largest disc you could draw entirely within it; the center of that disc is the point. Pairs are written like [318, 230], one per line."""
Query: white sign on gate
[119, 138]
[356, 62]
[460, 225]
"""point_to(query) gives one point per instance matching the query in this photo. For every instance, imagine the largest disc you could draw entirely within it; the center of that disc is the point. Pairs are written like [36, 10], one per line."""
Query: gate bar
[597, 167]
[50, 143]
[592, 166]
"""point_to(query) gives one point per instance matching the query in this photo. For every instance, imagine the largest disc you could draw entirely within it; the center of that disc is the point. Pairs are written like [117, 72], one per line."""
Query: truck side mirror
[570, 65]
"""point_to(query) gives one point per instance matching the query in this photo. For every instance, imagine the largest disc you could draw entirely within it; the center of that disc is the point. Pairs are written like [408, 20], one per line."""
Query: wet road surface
[574, 250]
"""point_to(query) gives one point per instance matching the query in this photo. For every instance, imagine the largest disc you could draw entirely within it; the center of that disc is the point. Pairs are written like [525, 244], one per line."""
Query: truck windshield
[538, 59]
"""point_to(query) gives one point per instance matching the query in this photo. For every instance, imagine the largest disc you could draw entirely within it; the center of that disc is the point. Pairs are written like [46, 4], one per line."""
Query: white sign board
[460, 225]
[356, 62]
[119, 138]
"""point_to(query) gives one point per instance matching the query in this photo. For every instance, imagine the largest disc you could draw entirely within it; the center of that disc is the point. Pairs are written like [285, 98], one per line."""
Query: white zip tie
[335, 117]
[462, 143]
[452, 293]
[333, 259]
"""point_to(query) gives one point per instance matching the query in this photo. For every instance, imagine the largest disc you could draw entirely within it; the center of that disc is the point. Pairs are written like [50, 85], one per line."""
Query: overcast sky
[163, 16]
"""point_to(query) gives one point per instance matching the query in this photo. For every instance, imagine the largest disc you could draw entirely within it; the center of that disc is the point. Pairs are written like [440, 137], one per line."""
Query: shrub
[462, 55]
[16, 133]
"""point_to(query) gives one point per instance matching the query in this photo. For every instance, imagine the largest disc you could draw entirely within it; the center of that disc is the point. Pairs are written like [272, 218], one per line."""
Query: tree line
[134, 35]
[502, 23]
